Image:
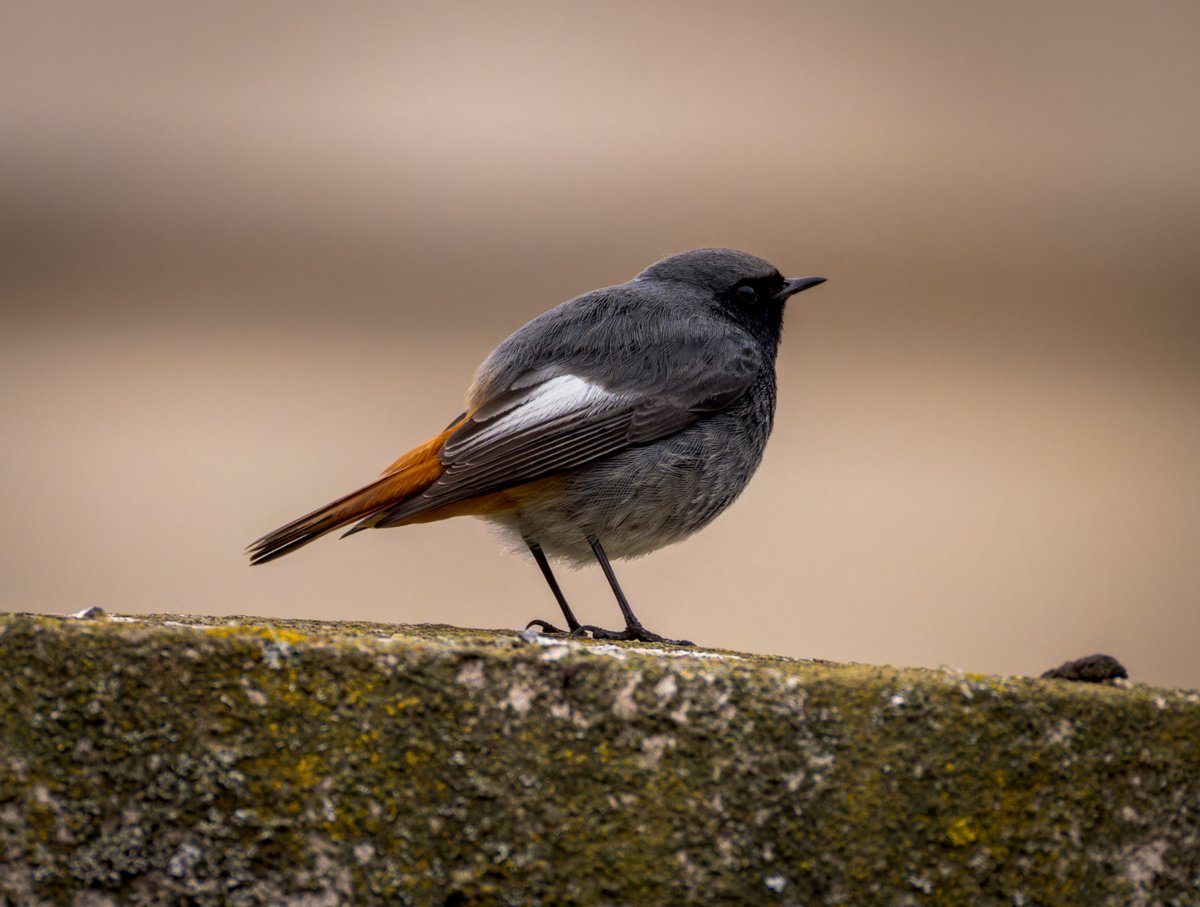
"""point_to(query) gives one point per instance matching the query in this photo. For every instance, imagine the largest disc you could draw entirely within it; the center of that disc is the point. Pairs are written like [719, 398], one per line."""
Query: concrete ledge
[179, 759]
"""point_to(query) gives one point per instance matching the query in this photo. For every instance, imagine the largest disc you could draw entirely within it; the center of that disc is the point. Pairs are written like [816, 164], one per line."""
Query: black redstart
[612, 425]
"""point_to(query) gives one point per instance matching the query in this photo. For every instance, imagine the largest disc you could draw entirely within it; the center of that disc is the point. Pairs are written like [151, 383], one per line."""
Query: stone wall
[192, 760]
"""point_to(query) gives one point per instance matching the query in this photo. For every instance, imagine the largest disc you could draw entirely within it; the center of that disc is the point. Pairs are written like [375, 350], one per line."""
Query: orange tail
[408, 476]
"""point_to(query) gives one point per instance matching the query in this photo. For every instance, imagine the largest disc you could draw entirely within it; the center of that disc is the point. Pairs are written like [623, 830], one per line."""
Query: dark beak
[796, 284]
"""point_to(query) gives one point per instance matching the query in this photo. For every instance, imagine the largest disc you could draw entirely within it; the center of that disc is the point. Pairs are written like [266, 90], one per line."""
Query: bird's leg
[633, 627]
[546, 627]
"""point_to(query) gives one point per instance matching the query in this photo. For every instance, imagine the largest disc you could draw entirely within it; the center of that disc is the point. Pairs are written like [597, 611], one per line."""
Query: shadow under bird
[612, 425]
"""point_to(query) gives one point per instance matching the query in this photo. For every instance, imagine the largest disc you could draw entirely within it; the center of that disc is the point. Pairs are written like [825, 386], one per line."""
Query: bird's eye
[747, 293]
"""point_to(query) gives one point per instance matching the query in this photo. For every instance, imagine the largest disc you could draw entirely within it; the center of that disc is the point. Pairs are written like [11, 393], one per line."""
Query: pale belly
[647, 497]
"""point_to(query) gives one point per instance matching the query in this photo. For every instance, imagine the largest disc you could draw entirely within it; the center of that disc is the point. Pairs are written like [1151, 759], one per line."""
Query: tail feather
[408, 476]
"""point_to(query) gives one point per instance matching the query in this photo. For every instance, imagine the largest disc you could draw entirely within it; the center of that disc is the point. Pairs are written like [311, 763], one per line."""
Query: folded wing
[555, 425]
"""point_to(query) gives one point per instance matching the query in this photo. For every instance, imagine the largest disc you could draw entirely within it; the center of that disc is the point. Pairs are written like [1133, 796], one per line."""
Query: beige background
[251, 253]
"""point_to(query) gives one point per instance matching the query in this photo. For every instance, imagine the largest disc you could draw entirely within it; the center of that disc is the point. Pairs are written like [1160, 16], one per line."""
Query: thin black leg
[633, 626]
[623, 603]
[572, 624]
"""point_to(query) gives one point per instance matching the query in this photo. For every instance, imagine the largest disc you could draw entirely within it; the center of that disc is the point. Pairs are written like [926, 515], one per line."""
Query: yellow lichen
[961, 833]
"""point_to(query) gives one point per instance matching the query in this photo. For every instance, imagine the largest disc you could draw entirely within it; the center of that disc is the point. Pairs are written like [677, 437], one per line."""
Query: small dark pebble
[1089, 669]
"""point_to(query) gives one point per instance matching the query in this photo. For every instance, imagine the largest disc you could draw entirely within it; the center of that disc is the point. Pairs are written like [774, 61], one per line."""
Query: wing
[559, 423]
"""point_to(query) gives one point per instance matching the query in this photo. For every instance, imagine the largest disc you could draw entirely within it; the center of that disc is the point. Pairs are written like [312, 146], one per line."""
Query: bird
[616, 423]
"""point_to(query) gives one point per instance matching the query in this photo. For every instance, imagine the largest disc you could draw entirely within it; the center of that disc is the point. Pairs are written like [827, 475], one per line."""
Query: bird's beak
[796, 284]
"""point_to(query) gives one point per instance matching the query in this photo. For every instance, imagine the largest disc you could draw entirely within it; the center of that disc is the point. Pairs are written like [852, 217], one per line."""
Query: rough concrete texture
[191, 760]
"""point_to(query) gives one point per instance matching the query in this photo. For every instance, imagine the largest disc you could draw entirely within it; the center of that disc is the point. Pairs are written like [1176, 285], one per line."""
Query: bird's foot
[635, 633]
[547, 628]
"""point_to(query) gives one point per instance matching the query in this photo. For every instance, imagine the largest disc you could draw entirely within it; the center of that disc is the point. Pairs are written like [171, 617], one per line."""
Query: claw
[629, 634]
[546, 627]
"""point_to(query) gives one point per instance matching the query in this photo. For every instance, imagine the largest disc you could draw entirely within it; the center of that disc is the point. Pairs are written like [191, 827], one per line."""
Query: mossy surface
[209, 761]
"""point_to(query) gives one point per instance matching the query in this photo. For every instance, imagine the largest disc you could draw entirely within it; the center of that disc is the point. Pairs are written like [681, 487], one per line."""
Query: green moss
[253, 761]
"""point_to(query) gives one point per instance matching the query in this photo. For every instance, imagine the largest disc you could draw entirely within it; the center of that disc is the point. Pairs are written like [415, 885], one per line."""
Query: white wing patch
[540, 404]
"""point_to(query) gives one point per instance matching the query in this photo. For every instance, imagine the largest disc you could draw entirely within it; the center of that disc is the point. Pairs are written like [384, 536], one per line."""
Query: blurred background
[253, 252]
